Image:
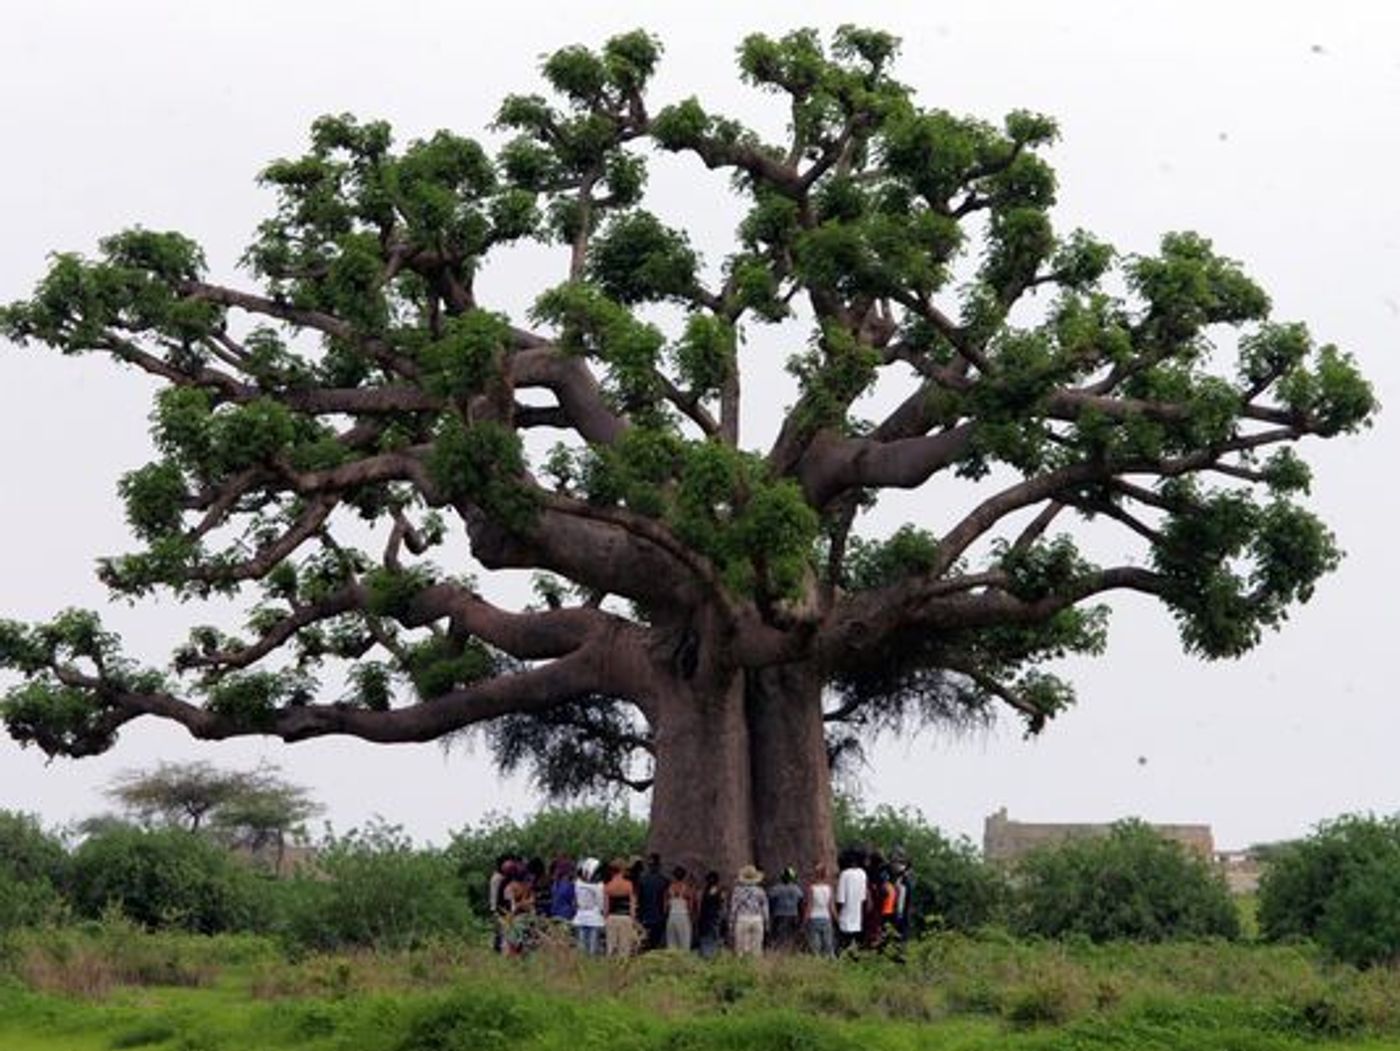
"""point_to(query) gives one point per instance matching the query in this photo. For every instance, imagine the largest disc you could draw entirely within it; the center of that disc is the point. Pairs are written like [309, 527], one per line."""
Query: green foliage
[28, 853]
[154, 497]
[1233, 568]
[178, 795]
[33, 866]
[1043, 568]
[252, 699]
[460, 361]
[61, 720]
[594, 325]
[1131, 883]
[1188, 287]
[252, 809]
[373, 685]
[832, 374]
[760, 530]
[1332, 393]
[705, 356]
[368, 337]
[1338, 886]
[392, 591]
[161, 878]
[27, 902]
[483, 463]
[134, 287]
[372, 888]
[439, 665]
[879, 563]
[635, 259]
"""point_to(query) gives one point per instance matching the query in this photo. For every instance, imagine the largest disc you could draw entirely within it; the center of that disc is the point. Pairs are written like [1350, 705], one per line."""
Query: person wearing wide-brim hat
[748, 912]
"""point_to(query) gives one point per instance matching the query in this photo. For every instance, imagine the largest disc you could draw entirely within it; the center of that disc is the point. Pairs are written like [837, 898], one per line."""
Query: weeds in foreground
[1037, 995]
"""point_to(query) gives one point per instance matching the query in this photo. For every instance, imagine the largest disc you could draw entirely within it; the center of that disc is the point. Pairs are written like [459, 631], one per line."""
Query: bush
[953, 888]
[33, 864]
[162, 878]
[1130, 884]
[28, 853]
[26, 904]
[373, 888]
[1340, 886]
[597, 831]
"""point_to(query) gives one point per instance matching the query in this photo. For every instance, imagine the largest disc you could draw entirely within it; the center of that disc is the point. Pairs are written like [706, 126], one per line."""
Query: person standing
[562, 899]
[519, 923]
[494, 900]
[748, 913]
[651, 902]
[851, 891]
[711, 918]
[877, 900]
[680, 911]
[589, 903]
[820, 910]
[621, 921]
[904, 885]
[785, 908]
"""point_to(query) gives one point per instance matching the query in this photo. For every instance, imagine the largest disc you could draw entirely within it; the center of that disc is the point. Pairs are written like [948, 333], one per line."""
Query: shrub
[1131, 884]
[373, 888]
[1340, 886]
[28, 854]
[162, 878]
[479, 1020]
[33, 864]
[598, 831]
[26, 903]
[953, 888]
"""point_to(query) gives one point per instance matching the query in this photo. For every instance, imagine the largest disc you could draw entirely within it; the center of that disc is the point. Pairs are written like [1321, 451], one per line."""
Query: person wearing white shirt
[851, 892]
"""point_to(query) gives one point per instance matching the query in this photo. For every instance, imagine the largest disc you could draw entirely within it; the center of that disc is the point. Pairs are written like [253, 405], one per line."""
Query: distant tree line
[374, 887]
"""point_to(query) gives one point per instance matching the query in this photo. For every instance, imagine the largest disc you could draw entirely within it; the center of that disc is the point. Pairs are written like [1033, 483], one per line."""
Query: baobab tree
[711, 621]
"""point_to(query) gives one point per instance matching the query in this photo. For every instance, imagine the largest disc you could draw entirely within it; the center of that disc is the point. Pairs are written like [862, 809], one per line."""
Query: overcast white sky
[1269, 127]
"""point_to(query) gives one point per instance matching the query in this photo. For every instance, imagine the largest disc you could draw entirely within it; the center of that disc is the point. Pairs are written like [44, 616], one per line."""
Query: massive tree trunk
[701, 798]
[792, 806]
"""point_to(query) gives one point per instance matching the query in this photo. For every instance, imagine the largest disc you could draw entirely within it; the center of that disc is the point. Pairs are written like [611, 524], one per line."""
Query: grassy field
[111, 987]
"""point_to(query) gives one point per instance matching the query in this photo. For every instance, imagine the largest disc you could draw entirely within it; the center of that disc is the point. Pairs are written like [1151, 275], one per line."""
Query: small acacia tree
[711, 624]
[179, 795]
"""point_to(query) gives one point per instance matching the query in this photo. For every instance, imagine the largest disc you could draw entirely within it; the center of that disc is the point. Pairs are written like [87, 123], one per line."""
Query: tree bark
[701, 815]
[792, 805]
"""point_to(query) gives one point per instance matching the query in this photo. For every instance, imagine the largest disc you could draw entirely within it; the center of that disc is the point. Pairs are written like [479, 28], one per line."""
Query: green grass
[110, 987]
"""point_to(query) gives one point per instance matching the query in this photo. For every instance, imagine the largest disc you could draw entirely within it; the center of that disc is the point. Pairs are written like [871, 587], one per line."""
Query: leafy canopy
[365, 386]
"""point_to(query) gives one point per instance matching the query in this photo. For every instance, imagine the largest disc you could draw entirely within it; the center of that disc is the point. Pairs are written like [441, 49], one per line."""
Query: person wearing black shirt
[651, 902]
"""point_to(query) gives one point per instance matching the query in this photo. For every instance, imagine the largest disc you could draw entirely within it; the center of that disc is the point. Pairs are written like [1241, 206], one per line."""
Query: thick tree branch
[575, 387]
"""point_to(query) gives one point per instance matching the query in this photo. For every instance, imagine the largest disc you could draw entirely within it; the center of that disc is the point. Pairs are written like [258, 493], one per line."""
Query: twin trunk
[742, 775]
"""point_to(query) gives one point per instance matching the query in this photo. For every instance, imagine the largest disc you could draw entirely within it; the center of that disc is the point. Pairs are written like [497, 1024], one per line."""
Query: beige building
[1004, 840]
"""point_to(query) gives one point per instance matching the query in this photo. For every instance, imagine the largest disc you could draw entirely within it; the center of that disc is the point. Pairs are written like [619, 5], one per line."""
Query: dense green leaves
[1129, 884]
[1338, 886]
[1232, 567]
[635, 258]
[465, 355]
[162, 878]
[482, 463]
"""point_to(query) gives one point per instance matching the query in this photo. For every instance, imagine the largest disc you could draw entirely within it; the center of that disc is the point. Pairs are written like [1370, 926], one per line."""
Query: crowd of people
[630, 906]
